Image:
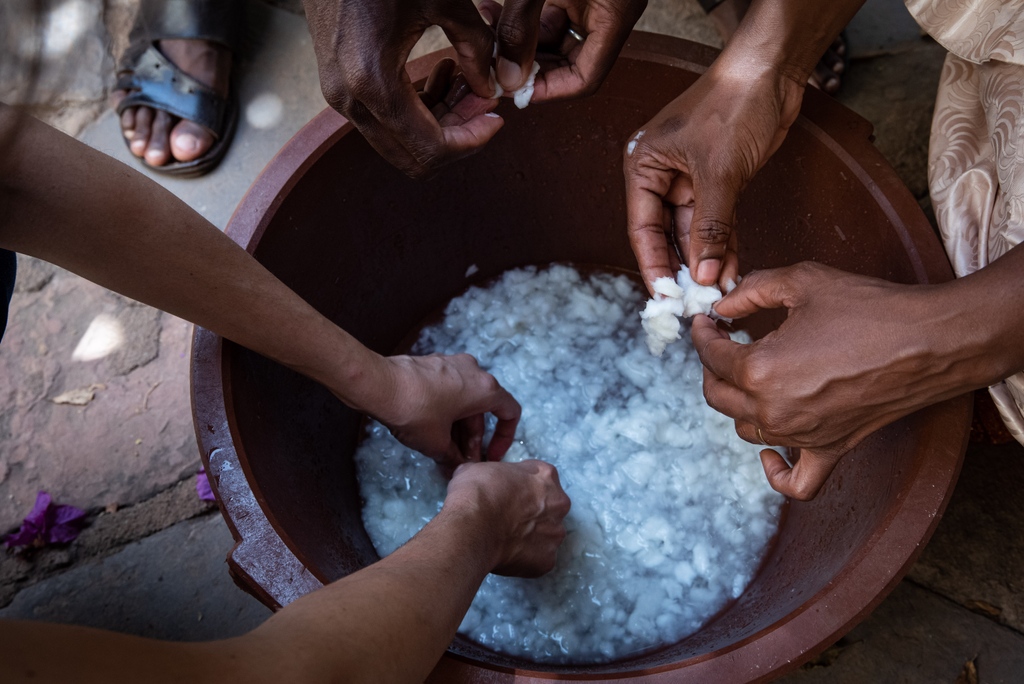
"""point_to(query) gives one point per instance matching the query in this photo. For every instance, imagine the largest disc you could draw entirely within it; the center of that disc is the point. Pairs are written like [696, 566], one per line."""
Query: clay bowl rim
[864, 581]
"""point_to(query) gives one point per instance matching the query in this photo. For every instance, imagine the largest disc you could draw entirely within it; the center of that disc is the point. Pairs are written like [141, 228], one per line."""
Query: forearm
[390, 622]
[70, 205]
[787, 36]
[982, 316]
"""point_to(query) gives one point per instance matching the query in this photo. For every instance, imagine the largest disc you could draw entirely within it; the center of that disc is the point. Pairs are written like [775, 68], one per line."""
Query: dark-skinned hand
[686, 167]
[529, 30]
[362, 48]
[854, 354]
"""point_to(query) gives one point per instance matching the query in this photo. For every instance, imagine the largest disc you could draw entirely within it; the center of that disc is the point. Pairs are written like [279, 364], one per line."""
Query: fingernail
[492, 115]
[707, 271]
[128, 132]
[187, 143]
[510, 75]
[492, 82]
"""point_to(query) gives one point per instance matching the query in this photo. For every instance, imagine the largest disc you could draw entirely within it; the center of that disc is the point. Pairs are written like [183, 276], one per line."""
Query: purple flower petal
[48, 524]
[38, 515]
[203, 488]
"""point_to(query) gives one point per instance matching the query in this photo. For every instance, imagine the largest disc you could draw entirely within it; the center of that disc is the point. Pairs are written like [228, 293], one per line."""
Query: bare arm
[390, 622]
[73, 206]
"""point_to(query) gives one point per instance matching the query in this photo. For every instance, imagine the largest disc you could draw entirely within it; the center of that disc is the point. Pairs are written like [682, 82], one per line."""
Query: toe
[833, 61]
[140, 138]
[128, 122]
[190, 141]
[158, 153]
[825, 79]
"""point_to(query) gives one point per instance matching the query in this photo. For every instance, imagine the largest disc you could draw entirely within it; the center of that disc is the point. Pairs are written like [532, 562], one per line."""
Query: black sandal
[151, 80]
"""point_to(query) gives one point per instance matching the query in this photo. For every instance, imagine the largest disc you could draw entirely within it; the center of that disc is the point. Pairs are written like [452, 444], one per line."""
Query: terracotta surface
[349, 233]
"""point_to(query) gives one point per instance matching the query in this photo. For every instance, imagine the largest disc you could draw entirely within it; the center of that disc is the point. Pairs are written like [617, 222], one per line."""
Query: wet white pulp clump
[671, 513]
[673, 299]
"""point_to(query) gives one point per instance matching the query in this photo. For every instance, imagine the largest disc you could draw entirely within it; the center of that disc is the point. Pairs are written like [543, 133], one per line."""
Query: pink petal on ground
[203, 488]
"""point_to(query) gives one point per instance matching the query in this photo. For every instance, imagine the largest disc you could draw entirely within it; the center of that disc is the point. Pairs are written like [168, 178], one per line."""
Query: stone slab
[133, 438]
[171, 585]
[881, 27]
[976, 556]
[918, 636]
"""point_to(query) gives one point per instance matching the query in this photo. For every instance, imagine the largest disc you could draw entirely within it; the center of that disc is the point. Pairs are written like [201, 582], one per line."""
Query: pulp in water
[671, 513]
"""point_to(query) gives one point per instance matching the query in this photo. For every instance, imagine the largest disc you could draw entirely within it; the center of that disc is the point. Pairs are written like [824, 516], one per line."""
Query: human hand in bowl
[686, 167]
[521, 505]
[436, 405]
[361, 49]
[528, 30]
[854, 354]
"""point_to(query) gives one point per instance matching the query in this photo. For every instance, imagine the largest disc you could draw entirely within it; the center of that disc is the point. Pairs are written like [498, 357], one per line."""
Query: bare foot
[159, 137]
[827, 73]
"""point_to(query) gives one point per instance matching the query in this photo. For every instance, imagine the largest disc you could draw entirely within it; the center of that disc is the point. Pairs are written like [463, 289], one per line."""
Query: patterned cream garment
[976, 153]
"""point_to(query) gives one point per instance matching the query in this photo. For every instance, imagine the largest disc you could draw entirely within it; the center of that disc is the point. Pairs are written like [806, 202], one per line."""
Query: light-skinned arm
[68, 204]
[389, 622]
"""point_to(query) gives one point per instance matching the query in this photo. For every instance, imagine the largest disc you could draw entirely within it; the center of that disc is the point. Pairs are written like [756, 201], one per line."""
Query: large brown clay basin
[377, 252]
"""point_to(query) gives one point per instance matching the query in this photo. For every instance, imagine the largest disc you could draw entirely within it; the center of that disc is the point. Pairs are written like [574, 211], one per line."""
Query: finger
[712, 225]
[508, 411]
[471, 437]
[438, 83]
[589, 64]
[158, 152]
[717, 352]
[140, 139]
[731, 265]
[517, 32]
[758, 290]
[490, 11]
[804, 480]
[646, 227]
[731, 401]
[749, 432]
[473, 42]
[554, 23]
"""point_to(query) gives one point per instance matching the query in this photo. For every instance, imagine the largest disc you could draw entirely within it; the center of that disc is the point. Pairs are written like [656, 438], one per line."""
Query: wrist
[467, 513]
[358, 376]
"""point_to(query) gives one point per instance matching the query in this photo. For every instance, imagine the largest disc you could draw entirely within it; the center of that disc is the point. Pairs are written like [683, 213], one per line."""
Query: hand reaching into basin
[528, 30]
[524, 505]
[361, 50]
[685, 168]
[436, 405]
[854, 354]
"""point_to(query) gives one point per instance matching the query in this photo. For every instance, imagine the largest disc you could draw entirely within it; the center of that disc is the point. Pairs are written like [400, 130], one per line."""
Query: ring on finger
[761, 438]
[576, 34]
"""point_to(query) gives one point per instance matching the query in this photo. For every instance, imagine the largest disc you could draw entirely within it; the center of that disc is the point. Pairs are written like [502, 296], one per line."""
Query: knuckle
[512, 34]
[712, 231]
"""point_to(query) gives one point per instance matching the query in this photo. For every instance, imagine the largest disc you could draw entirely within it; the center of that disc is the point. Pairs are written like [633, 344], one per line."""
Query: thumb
[769, 289]
[714, 212]
[803, 481]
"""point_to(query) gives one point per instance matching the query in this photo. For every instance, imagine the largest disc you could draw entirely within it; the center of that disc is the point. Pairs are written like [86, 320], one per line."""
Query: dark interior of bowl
[377, 252]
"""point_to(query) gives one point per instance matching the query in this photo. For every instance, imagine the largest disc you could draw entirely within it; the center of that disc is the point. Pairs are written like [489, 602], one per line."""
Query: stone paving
[152, 559]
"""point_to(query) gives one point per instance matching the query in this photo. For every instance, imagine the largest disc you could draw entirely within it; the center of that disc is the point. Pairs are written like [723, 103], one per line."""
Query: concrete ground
[151, 561]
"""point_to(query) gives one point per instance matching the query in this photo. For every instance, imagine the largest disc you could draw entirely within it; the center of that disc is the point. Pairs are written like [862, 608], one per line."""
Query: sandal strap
[217, 21]
[155, 82]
